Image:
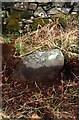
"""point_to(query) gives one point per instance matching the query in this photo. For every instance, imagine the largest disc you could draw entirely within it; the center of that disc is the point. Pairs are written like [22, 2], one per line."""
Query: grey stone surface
[59, 4]
[65, 10]
[45, 8]
[40, 66]
[40, 12]
[32, 6]
[52, 11]
[59, 9]
[76, 8]
[21, 6]
[47, 58]
[74, 13]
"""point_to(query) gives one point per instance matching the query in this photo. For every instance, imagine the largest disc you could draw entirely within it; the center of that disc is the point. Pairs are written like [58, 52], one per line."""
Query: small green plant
[7, 40]
[16, 36]
[59, 43]
[38, 22]
[13, 21]
[17, 47]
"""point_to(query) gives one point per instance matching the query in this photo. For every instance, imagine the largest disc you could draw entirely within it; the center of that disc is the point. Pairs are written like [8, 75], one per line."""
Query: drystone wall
[48, 8]
[32, 10]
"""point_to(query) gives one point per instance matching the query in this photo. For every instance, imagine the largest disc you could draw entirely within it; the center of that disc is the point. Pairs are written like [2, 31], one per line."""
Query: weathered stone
[32, 6]
[21, 6]
[28, 21]
[52, 11]
[74, 13]
[42, 66]
[40, 12]
[76, 9]
[53, 4]
[46, 58]
[59, 4]
[26, 14]
[59, 9]
[68, 4]
[47, 6]
[65, 10]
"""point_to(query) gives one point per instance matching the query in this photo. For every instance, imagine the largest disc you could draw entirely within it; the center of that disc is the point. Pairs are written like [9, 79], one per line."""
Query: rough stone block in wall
[40, 12]
[21, 6]
[32, 6]
[50, 7]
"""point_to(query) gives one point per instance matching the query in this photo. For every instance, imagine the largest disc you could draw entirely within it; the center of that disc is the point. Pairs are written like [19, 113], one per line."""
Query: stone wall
[46, 8]
[31, 10]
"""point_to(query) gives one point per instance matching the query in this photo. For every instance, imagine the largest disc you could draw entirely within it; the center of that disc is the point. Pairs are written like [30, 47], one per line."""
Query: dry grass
[54, 102]
[51, 36]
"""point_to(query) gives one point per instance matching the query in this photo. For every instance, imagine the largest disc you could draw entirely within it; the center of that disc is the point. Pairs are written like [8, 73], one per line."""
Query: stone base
[45, 71]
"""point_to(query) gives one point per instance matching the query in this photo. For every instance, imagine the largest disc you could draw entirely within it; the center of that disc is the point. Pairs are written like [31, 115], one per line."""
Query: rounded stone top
[44, 59]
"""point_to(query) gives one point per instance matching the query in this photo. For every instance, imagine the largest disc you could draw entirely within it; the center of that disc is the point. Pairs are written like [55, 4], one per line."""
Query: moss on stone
[64, 19]
[13, 21]
[38, 22]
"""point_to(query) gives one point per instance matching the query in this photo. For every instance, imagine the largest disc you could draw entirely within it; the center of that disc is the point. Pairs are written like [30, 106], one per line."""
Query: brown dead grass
[49, 37]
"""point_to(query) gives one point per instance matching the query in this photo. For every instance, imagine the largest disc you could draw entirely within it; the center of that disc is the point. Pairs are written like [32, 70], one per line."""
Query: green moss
[65, 19]
[38, 21]
[12, 21]
[59, 43]
[62, 19]
[26, 14]
[63, 22]
[7, 40]
[17, 46]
